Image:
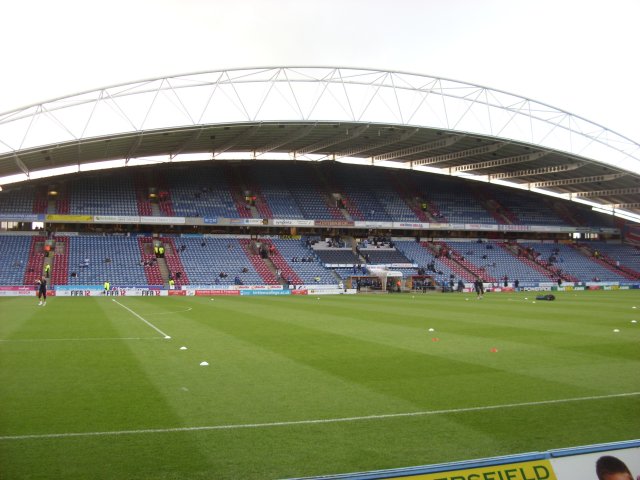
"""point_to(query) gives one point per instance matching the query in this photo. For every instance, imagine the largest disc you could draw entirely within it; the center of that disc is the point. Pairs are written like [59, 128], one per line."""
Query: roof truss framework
[459, 155]
[531, 172]
[349, 135]
[499, 162]
[405, 152]
[375, 145]
[127, 121]
[608, 193]
[297, 135]
[578, 180]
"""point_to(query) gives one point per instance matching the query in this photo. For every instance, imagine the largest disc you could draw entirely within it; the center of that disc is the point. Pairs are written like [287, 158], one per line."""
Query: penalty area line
[315, 421]
[145, 321]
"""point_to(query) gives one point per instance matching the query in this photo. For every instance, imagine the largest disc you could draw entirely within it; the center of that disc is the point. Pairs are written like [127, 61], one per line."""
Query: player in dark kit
[42, 291]
[479, 287]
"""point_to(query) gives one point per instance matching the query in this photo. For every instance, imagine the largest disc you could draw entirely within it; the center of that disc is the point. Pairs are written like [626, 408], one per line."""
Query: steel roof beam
[246, 133]
[297, 135]
[607, 193]
[403, 152]
[530, 172]
[574, 181]
[350, 134]
[373, 145]
[134, 147]
[21, 165]
[459, 155]
[626, 205]
[186, 143]
[527, 157]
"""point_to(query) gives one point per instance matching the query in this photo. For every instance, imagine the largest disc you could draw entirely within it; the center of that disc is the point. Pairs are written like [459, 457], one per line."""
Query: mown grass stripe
[315, 421]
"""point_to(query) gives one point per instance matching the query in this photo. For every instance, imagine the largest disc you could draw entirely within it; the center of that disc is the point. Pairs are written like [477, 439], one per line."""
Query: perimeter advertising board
[535, 470]
[17, 291]
[620, 461]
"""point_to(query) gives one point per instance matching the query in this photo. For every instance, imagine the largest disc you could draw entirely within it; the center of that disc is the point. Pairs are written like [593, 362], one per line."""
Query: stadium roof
[374, 117]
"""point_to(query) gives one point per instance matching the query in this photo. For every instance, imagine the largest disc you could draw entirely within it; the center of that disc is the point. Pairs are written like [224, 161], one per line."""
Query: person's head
[612, 468]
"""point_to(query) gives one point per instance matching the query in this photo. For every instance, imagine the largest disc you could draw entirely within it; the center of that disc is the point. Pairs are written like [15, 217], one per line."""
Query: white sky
[580, 56]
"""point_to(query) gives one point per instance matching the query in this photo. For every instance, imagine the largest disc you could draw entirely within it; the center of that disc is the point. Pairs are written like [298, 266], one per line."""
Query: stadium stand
[174, 263]
[204, 259]
[625, 258]
[295, 256]
[21, 201]
[15, 258]
[300, 191]
[88, 256]
[60, 264]
[35, 260]
[105, 195]
[252, 250]
[275, 192]
[203, 192]
[573, 262]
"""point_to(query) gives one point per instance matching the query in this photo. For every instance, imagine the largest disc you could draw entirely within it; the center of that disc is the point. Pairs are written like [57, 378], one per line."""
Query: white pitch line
[169, 313]
[11, 340]
[313, 422]
[145, 321]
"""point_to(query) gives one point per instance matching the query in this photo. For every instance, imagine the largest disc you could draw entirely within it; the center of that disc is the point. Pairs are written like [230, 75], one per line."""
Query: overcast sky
[579, 56]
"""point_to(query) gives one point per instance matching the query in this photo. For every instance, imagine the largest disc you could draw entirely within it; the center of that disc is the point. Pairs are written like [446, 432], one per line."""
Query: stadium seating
[309, 272]
[14, 258]
[202, 192]
[123, 268]
[20, 200]
[105, 195]
[205, 258]
[300, 191]
[575, 263]
[627, 256]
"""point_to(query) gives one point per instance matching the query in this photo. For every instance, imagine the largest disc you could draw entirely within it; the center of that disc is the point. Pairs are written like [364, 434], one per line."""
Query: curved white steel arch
[312, 94]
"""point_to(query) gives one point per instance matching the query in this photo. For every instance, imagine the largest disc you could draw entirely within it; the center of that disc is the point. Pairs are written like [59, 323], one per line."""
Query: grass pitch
[301, 386]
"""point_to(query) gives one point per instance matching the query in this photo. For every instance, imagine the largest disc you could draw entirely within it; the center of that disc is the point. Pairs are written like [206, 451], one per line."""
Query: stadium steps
[527, 261]
[237, 192]
[281, 263]
[258, 263]
[463, 267]
[262, 205]
[172, 258]
[500, 213]
[63, 204]
[164, 196]
[329, 189]
[408, 197]
[60, 262]
[40, 200]
[36, 261]
[607, 262]
[567, 215]
[433, 213]
[435, 248]
[142, 195]
[152, 272]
